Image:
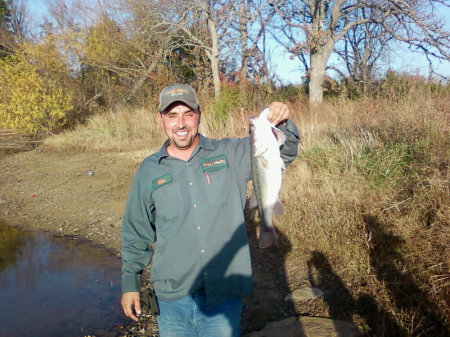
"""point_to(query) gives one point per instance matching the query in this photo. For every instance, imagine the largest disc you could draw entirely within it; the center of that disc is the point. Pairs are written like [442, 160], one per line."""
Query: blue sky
[400, 59]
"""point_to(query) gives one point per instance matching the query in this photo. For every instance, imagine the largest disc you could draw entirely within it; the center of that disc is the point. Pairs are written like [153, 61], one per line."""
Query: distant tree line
[84, 54]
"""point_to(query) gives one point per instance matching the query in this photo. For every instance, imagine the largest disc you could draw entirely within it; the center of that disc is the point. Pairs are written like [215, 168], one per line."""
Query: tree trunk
[244, 36]
[316, 78]
[213, 53]
[215, 73]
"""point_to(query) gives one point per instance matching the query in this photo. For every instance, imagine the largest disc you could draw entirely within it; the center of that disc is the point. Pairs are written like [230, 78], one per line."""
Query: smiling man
[189, 198]
[181, 123]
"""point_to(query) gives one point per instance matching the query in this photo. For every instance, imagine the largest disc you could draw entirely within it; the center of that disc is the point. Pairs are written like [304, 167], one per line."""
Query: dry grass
[366, 202]
[120, 130]
[370, 194]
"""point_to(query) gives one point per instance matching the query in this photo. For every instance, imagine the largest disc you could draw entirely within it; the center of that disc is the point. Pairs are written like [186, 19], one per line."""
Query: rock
[305, 326]
[304, 294]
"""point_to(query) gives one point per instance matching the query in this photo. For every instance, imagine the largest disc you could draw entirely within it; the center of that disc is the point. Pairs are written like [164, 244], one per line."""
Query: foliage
[105, 61]
[104, 44]
[231, 97]
[288, 93]
[397, 85]
[32, 98]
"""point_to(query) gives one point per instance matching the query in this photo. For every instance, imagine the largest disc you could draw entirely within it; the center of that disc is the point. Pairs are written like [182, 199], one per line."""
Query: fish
[266, 166]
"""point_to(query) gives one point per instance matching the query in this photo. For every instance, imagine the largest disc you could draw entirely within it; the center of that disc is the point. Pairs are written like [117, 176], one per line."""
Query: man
[189, 198]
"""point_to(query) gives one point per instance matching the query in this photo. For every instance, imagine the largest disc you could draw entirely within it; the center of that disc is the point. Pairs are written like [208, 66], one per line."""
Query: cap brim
[192, 105]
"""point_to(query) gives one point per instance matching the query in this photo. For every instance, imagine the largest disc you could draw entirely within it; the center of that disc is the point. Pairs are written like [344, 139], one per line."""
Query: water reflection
[56, 287]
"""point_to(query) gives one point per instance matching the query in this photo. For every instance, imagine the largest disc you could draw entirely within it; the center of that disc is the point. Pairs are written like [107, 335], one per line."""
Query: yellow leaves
[105, 44]
[29, 101]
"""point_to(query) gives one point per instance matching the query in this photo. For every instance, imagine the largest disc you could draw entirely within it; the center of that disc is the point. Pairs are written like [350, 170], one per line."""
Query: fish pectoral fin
[259, 151]
[264, 162]
[278, 207]
[267, 237]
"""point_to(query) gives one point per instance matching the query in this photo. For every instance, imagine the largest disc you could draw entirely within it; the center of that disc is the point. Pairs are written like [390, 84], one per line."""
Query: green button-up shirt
[194, 210]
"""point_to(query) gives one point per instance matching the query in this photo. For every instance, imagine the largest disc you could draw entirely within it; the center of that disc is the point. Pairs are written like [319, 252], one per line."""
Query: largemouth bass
[265, 140]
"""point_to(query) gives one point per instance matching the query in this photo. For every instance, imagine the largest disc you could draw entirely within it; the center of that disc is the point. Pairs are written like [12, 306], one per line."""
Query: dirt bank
[55, 192]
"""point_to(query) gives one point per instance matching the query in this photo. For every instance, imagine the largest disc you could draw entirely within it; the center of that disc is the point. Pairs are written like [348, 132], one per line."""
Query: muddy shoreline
[53, 193]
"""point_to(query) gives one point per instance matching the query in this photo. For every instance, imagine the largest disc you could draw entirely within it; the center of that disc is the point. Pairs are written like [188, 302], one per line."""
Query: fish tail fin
[267, 237]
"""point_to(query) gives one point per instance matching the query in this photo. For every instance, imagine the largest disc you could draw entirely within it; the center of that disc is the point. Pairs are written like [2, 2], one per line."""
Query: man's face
[181, 125]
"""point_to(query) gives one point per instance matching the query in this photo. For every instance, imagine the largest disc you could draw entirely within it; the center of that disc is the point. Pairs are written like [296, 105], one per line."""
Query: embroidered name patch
[214, 164]
[161, 181]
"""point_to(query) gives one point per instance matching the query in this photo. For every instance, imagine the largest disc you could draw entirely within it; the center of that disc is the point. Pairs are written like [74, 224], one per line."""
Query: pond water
[52, 286]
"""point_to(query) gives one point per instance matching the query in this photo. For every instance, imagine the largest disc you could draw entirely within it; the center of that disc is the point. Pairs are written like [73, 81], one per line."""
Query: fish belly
[266, 184]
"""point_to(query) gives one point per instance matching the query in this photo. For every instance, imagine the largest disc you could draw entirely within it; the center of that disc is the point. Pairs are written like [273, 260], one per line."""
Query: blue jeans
[188, 317]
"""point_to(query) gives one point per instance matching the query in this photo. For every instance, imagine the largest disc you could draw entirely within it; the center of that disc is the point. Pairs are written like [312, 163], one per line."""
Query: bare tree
[19, 17]
[6, 38]
[362, 48]
[325, 22]
[14, 20]
[202, 24]
[253, 18]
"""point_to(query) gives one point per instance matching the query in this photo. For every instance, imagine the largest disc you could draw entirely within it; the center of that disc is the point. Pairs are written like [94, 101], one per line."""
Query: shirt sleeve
[138, 234]
[241, 150]
[289, 150]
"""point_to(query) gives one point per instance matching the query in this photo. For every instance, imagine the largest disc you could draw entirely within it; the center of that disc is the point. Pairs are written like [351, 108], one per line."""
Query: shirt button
[205, 273]
[202, 251]
[187, 164]
[198, 228]
[190, 183]
[194, 205]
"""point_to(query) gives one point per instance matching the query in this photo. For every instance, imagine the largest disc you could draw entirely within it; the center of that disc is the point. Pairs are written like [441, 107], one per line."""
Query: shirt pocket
[216, 188]
[168, 204]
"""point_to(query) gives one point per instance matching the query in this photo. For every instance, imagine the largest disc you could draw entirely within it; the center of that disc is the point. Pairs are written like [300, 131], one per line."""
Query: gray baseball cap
[178, 93]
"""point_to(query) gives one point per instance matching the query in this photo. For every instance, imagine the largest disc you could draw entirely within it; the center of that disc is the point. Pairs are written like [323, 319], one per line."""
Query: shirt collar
[204, 143]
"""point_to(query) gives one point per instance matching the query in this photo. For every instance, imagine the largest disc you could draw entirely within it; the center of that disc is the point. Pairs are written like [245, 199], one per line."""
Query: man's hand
[278, 113]
[129, 301]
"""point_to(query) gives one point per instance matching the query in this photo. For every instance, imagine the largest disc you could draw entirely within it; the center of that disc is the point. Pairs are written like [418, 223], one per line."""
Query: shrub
[30, 101]
[230, 98]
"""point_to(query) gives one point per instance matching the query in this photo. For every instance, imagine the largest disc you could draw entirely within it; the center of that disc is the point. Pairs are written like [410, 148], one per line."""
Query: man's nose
[181, 122]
